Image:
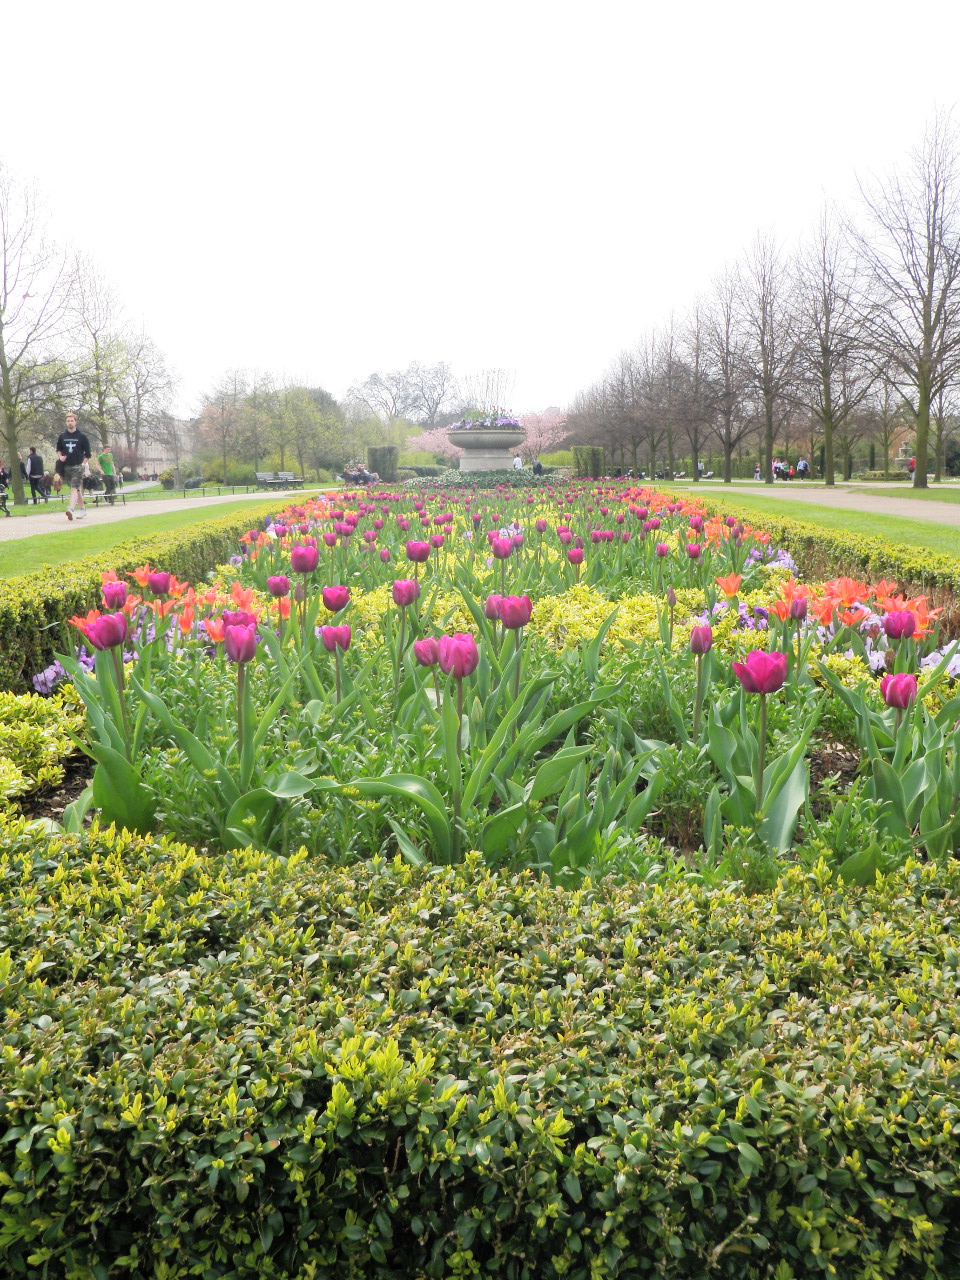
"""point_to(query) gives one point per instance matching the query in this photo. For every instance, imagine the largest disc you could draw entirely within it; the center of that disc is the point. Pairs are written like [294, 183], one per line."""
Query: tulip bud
[458, 655]
[114, 594]
[701, 639]
[762, 672]
[278, 586]
[405, 591]
[335, 638]
[159, 583]
[900, 624]
[426, 652]
[108, 631]
[240, 642]
[492, 608]
[515, 612]
[418, 552]
[304, 559]
[336, 598]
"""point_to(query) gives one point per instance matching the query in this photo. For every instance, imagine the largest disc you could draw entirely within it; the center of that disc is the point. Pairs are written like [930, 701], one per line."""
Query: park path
[843, 499]
[53, 520]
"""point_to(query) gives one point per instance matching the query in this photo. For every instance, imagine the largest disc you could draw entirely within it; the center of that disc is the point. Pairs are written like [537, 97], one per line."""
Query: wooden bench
[287, 480]
[102, 499]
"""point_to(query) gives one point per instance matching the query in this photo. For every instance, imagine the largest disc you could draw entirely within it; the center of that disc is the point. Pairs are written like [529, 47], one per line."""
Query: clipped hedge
[506, 479]
[258, 1067]
[34, 608]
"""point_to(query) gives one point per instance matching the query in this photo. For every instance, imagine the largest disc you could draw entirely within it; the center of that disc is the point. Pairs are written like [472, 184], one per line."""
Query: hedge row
[33, 608]
[266, 1068]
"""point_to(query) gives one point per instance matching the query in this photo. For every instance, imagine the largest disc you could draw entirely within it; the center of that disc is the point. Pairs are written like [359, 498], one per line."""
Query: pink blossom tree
[434, 441]
[546, 431]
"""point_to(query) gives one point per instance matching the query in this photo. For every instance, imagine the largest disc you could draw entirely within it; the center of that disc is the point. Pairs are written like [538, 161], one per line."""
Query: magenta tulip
[458, 655]
[279, 586]
[762, 672]
[426, 652]
[418, 552]
[385, 555]
[541, 526]
[159, 583]
[405, 591]
[701, 639]
[335, 638]
[798, 608]
[515, 612]
[693, 550]
[662, 549]
[501, 547]
[238, 618]
[335, 598]
[114, 594]
[108, 631]
[899, 691]
[575, 555]
[240, 642]
[900, 624]
[304, 559]
[491, 608]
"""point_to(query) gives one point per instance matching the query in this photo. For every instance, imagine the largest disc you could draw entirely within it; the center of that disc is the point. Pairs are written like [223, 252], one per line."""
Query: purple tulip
[240, 642]
[114, 594]
[701, 639]
[798, 608]
[541, 526]
[238, 618]
[501, 547]
[108, 631]
[575, 555]
[330, 540]
[458, 655]
[491, 608]
[662, 550]
[279, 586]
[899, 691]
[900, 625]
[159, 583]
[762, 672]
[693, 550]
[385, 555]
[304, 559]
[335, 598]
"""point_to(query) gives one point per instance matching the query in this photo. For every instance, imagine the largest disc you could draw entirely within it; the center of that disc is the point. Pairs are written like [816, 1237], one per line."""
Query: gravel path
[844, 499]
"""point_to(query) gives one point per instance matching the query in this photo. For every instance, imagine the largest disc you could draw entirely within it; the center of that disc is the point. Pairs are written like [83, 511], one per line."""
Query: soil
[51, 802]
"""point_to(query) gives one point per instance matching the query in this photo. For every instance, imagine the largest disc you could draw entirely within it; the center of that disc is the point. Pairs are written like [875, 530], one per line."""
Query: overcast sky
[323, 189]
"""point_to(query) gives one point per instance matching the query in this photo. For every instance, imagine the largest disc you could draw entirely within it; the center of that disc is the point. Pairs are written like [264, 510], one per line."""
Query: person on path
[105, 460]
[73, 450]
[34, 469]
[518, 463]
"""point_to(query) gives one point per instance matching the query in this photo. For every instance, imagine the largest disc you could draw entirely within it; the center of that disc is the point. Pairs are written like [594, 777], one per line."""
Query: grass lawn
[68, 542]
[934, 494]
[910, 533]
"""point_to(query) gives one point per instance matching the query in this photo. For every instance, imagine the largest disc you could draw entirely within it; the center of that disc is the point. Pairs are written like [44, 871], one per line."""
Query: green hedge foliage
[259, 1067]
[507, 479]
[34, 608]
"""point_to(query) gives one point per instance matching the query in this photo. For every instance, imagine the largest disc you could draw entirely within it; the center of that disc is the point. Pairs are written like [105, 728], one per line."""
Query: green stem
[336, 657]
[762, 753]
[699, 700]
[121, 694]
[241, 725]
[516, 680]
[396, 678]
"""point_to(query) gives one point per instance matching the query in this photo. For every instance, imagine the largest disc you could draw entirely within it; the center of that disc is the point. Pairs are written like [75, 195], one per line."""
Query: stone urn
[487, 448]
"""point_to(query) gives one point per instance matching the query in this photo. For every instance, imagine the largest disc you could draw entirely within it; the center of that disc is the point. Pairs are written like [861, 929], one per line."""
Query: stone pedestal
[485, 450]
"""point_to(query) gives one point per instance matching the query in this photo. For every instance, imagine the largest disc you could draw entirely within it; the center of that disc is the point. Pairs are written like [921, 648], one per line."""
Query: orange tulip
[730, 585]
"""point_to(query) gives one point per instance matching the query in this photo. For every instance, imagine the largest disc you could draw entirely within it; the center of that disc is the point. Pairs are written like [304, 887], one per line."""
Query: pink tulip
[458, 655]
[385, 555]
[240, 642]
[159, 583]
[336, 598]
[899, 691]
[405, 591]
[575, 555]
[304, 559]
[238, 618]
[426, 652]
[501, 547]
[762, 672]
[436, 541]
[108, 631]
[541, 526]
[693, 550]
[279, 586]
[330, 540]
[491, 608]
[335, 638]
[515, 612]
[662, 549]
[418, 552]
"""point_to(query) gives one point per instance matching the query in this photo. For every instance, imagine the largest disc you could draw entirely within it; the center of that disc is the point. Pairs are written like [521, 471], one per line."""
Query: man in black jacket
[73, 449]
[34, 469]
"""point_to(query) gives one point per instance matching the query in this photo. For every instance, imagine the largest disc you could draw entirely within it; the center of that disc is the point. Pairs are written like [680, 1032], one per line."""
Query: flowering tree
[546, 431]
[434, 441]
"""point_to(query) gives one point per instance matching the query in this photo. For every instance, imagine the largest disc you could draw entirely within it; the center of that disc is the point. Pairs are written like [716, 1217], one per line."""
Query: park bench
[99, 499]
[287, 480]
[265, 479]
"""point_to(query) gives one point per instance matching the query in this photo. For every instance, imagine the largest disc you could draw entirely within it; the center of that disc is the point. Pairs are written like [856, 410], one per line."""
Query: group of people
[785, 471]
[72, 468]
[359, 475]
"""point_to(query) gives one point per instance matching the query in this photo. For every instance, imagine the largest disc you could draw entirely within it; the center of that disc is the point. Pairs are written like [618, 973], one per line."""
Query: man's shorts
[73, 477]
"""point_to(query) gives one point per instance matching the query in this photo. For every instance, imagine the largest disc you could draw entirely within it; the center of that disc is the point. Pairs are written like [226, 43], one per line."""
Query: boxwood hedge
[34, 608]
[257, 1067]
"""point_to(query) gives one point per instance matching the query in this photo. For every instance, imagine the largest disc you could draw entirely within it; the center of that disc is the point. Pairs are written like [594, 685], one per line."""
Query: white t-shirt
[517, 464]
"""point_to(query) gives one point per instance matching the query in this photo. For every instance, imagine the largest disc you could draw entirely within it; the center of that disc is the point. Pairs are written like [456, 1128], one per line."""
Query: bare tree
[35, 291]
[835, 376]
[436, 391]
[388, 396]
[726, 364]
[912, 251]
[143, 396]
[771, 338]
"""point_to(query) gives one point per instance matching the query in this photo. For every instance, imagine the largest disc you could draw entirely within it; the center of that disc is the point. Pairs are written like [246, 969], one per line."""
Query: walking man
[73, 450]
[34, 467]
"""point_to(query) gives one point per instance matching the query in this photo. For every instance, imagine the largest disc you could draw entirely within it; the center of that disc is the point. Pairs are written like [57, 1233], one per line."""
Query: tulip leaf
[424, 795]
[246, 822]
[501, 828]
[553, 773]
[290, 786]
[121, 794]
